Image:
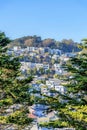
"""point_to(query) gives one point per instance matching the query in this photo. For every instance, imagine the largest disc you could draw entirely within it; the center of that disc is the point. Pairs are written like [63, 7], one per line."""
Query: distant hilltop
[36, 41]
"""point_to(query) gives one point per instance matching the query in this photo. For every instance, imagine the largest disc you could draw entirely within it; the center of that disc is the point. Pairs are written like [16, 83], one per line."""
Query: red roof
[31, 116]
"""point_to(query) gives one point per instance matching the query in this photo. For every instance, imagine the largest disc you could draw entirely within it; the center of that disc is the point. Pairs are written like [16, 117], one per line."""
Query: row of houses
[26, 65]
[38, 49]
[56, 85]
[50, 84]
[29, 65]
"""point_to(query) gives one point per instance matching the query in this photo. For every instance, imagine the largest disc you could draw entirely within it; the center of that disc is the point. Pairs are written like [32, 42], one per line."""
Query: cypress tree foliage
[73, 111]
[76, 108]
[77, 66]
[14, 95]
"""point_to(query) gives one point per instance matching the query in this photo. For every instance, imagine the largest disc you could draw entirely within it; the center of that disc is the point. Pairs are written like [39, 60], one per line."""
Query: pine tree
[72, 112]
[75, 111]
[12, 91]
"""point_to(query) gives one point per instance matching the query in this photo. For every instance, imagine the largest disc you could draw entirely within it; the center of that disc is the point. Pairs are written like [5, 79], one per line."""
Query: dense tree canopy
[12, 90]
[72, 107]
[66, 45]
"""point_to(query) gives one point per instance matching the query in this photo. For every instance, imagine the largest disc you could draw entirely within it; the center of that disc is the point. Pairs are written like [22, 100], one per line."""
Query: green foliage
[55, 124]
[73, 113]
[4, 40]
[12, 90]
[18, 117]
[65, 45]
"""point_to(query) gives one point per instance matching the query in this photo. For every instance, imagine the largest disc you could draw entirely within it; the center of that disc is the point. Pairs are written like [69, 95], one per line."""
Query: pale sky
[57, 19]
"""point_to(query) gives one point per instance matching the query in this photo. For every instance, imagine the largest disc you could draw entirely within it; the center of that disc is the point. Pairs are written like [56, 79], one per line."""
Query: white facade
[55, 57]
[38, 65]
[56, 66]
[46, 66]
[60, 89]
[15, 48]
[55, 51]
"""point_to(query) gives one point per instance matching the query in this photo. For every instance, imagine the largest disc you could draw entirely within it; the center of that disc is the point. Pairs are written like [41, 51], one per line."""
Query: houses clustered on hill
[45, 65]
[41, 59]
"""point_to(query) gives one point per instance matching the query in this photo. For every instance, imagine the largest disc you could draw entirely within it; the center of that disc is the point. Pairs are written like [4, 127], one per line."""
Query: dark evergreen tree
[12, 91]
[72, 112]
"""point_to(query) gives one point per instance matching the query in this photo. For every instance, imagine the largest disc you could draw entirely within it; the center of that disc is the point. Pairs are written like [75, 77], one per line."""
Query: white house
[55, 57]
[15, 48]
[38, 65]
[46, 66]
[60, 89]
[57, 51]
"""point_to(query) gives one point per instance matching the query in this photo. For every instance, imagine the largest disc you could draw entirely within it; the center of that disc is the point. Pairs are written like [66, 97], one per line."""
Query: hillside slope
[65, 45]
